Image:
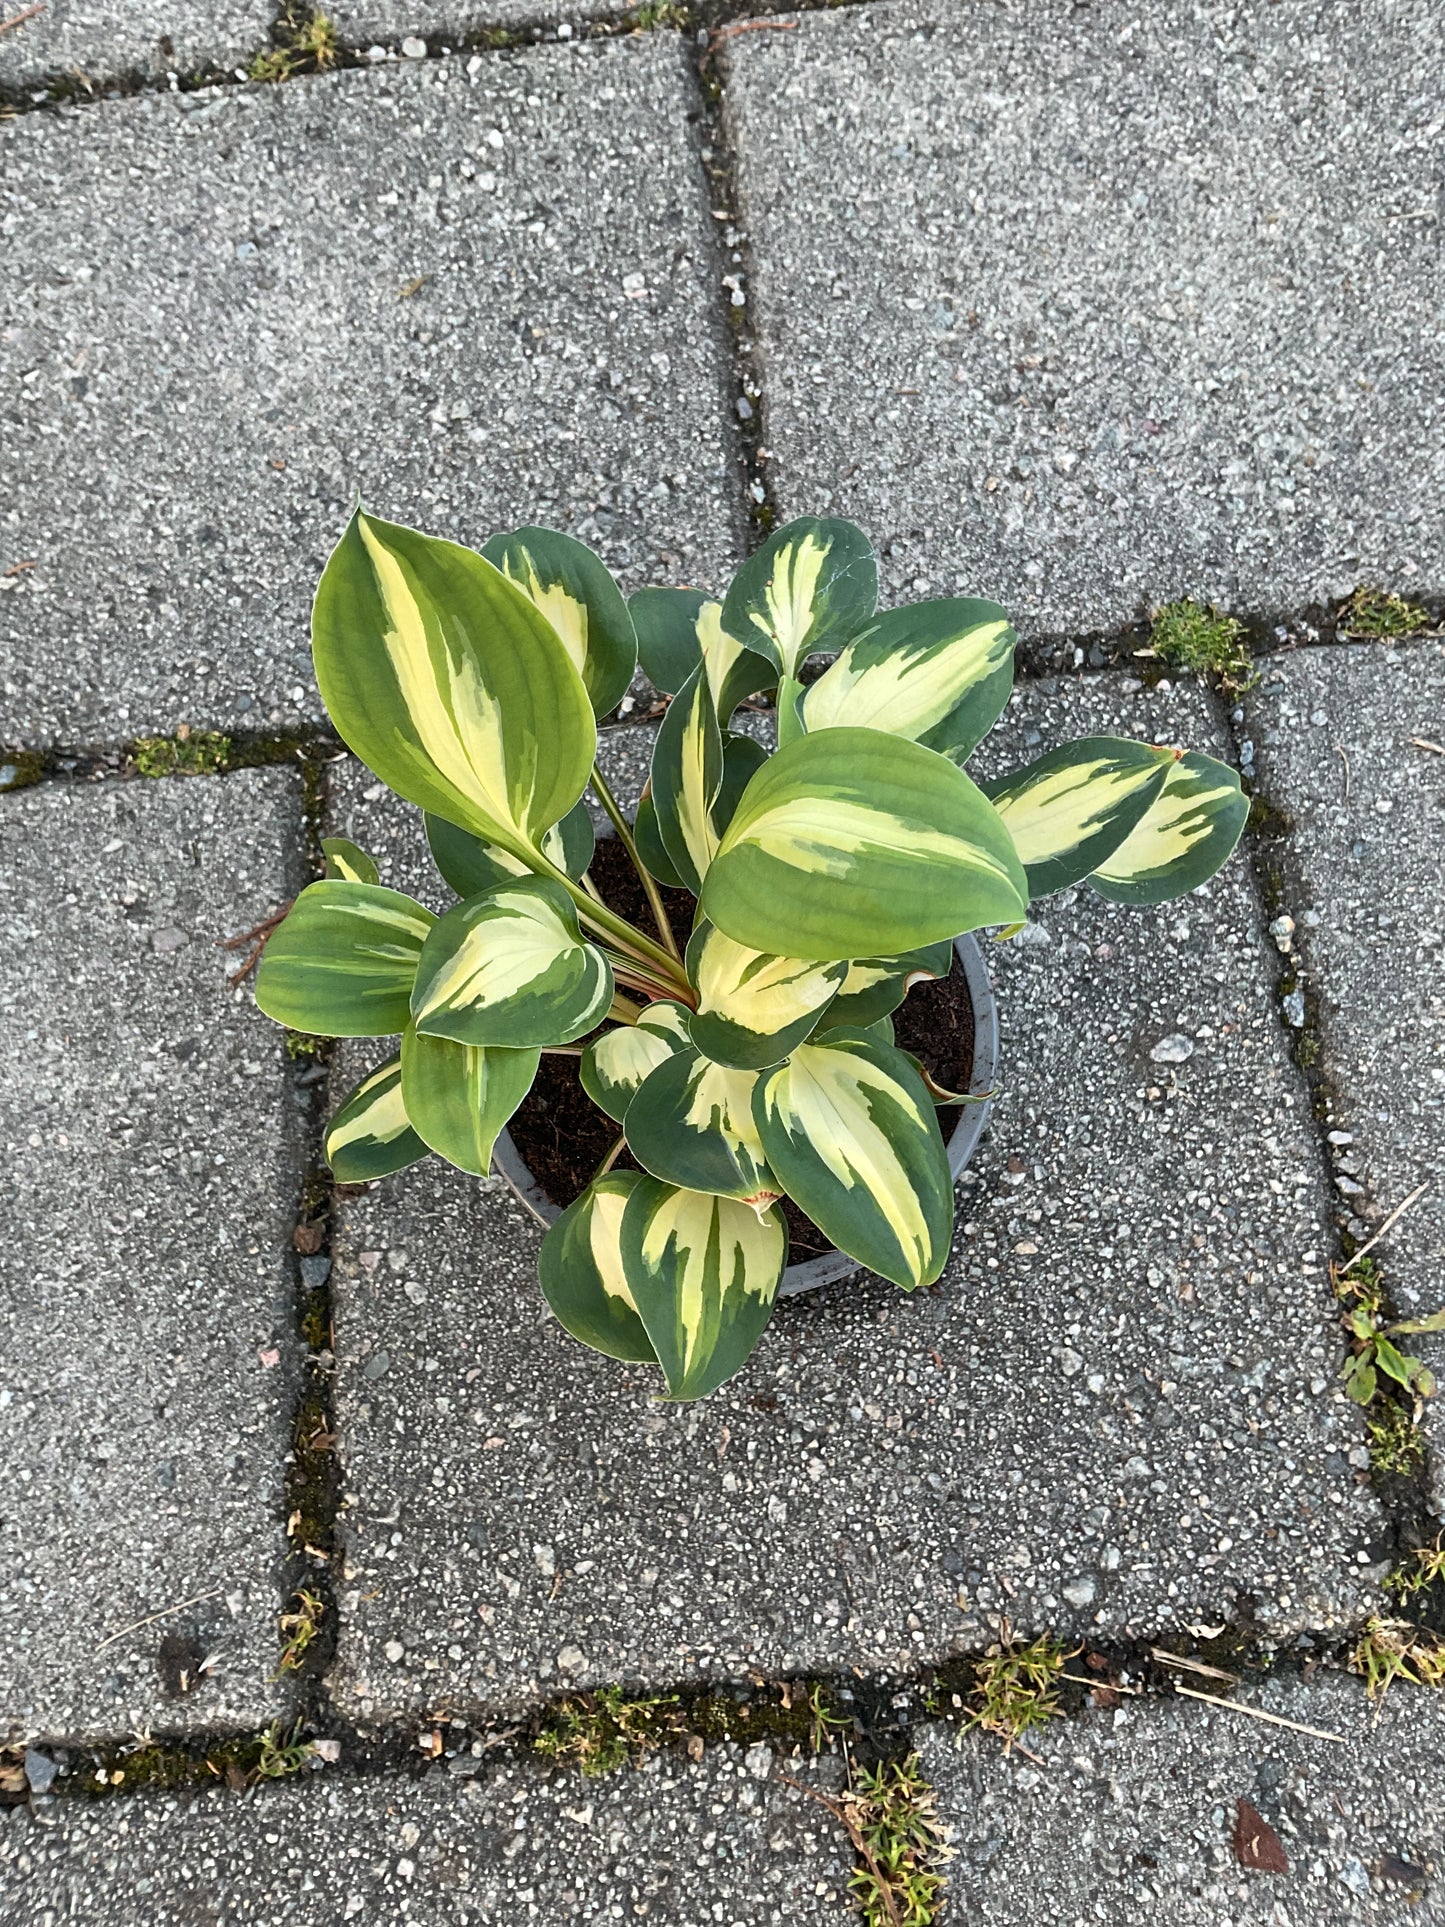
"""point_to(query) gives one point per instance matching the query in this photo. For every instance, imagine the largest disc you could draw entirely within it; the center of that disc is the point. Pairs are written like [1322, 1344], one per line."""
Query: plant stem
[649, 884]
[607, 1163]
[622, 1010]
[790, 725]
[596, 913]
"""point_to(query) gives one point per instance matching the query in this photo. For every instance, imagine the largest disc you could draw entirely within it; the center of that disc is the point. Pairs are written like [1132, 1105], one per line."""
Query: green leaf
[1069, 811]
[470, 865]
[679, 628]
[687, 767]
[850, 1130]
[692, 1124]
[459, 1097]
[743, 757]
[648, 838]
[852, 844]
[562, 578]
[1360, 1380]
[345, 863]
[875, 986]
[754, 1007]
[615, 1064]
[582, 1274]
[371, 1135]
[511, 967]
[938, 673]
[1434, 1323]
[343, 961]
[449, 683]
[812, 585]
[704, 1272]
[1397, 1366]
[1362, 1323]
[1187, 835]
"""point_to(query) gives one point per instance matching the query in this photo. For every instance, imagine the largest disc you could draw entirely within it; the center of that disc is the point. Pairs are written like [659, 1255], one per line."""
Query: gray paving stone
[1128, 1815]
[149, 1167]
[1087, 308]
[105, 39]
[362, 23]
[478, 299]
[1337, 735]
[1118, 1411]
[722, 1841]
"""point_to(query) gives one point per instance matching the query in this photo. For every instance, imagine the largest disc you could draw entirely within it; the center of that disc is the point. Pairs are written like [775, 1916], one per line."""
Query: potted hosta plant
[734, 1037]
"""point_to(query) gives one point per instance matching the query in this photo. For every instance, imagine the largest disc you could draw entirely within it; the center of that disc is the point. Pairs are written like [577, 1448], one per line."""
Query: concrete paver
[150, 1162]
[1339, 741]
[105, 39]
[1128, 1815]
[478, 298]
[1086, 308]
[723, 1841]
[1118, 1411]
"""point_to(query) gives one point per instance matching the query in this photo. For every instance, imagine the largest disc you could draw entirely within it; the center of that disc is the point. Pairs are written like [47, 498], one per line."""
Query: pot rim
[831, 1266]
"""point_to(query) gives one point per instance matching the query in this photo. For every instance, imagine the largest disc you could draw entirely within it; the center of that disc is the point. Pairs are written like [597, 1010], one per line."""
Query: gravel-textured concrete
[724, 1841]
[1128, 1815]
[478, 298]
[149, 1167]
[104, 39]
[1340, 738]
[388, 23]
[1118, 1411]
[1089, 307]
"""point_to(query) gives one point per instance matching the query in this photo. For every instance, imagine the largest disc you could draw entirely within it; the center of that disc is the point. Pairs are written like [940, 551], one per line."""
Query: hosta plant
[750, 1054]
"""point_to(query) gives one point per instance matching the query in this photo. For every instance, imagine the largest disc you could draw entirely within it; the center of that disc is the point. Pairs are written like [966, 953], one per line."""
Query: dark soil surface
[562, 1137]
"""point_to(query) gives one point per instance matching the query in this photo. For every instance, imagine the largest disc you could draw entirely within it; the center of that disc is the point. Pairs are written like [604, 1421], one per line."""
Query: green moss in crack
[20, 768]
[1187, 635]
[158, 1766]
[201, 752]
[659, 13]
[599, 1732]
[301, 1044]
[305, 43]
[1373, 613]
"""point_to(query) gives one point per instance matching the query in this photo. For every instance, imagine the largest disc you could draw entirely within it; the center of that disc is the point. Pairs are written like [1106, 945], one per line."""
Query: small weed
[659, 13]
[307, 45]
[1396, 1448]
[282, 1754]
[1371, 612]
[1426, 1567]
[1016, 1688]
[1186, 635]
[824, 1722]
[601, 1731]
[299, 1627]
[189, 752]
[300, 1043]
[1360, 1288]
[1390, 1650]
[892, 1819]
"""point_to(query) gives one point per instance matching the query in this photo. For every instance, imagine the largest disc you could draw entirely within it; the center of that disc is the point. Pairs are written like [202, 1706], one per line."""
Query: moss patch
[303, 42]
[201, 752]
[1374, 613]
[1187, 635]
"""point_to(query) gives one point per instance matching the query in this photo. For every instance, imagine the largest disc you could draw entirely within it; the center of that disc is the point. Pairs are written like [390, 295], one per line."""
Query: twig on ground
[18, 20]
[258, 936]
[19, 568]
[1109, 1685]
[1193, 1666]
[750, 26]
[1394, 1217]
[164, 1613]
[1420, 742]
[1346, 761]
[850, 1826]
[1258, 1713]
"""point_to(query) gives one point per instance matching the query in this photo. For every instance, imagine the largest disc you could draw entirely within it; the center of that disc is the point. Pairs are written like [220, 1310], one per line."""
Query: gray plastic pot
[829, 1266]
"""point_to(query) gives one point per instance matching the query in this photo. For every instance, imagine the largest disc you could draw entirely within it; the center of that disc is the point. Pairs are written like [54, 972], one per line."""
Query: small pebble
[1294, 1009]
[1282, 930]
[377, 1364]
[413, 49]
[759, 1761]
[1080, 1592]
[40, 1771]
[315, 1272]
[1175, 1049]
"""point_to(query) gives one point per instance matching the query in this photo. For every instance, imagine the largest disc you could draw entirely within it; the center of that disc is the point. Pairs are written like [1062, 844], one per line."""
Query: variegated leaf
[692, 1124]
[812, 585]
[876, 986]
[343, 961]
[679, 628]
[704, 1272]
[687, 768]
[448, 682]
[853, 843]
[510, 967]
[753, 1006]
[573, 590]
[470, 866]
[371, 1135]
[850, 1130]
[345, 863]
[743, 757]
[582, 1275]
[1188, 834]
[937, 672]
[1069, 810]
[459, 1097]
[616, 1063]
